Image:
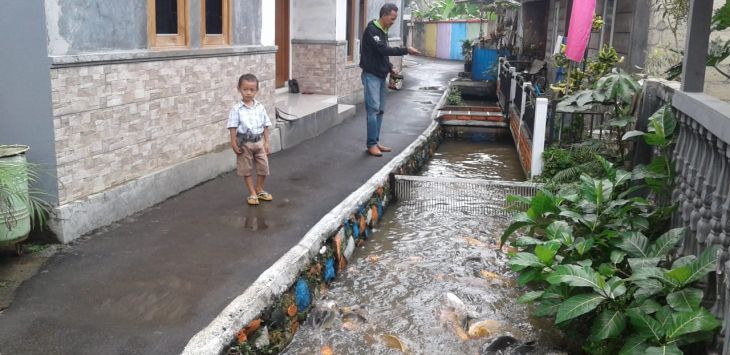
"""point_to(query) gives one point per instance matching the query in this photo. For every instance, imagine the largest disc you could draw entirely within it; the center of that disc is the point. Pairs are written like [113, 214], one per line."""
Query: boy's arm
[233, 122]
[267, 124]
[234, 142]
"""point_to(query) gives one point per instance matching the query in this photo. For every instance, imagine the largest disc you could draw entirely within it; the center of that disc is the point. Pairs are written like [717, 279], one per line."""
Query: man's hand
[267, 148]
[413, 51]
[235, 148]
[395, 71]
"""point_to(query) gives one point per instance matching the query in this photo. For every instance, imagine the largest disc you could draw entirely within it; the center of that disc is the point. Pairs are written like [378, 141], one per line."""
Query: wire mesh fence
[474, 196]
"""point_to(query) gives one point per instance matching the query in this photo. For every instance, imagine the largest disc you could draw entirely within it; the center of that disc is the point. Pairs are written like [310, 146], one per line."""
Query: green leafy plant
[660, 173]
[466, 49]
[10, 196]
[618, 92]
[719, 49]
[454, 97]
[599, 255]
[564, 165]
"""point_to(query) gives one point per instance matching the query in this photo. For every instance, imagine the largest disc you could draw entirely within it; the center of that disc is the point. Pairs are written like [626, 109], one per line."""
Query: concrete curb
[278, 278]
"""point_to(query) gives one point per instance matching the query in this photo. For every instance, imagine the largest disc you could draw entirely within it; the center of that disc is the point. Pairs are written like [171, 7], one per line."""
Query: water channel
[428, 281]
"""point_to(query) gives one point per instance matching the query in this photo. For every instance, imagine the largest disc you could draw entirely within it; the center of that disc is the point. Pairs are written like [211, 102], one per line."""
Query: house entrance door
[282, 41]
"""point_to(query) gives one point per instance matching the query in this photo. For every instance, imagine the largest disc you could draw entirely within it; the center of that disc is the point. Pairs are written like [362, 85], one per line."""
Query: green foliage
[564, 165]
[598, 255]
[674, 13]
[10, 196]
[446, 10]
[718, 50]
[454, 97]
[616, 92]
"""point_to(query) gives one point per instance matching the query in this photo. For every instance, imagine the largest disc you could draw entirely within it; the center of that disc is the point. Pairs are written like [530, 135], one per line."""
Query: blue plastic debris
[329, 270]
[367, 233]
[356, 230]
[380, 210]
[303, 298]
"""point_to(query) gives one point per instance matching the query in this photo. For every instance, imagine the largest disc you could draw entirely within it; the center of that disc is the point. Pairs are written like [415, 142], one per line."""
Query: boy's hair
[387, 9]
[250, 78]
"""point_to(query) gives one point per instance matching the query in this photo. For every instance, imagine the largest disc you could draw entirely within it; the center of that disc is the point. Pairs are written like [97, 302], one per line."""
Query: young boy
[249, 127]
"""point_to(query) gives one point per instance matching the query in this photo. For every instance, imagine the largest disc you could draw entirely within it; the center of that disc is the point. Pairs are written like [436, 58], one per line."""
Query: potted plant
[466, 47]
[20, 206]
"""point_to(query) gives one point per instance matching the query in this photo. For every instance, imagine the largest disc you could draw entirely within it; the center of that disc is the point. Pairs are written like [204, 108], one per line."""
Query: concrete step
[305, 116]
[345, 111]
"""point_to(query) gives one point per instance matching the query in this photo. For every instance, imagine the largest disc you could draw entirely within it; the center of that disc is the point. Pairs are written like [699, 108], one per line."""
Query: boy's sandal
[253, 200]
[265, 196]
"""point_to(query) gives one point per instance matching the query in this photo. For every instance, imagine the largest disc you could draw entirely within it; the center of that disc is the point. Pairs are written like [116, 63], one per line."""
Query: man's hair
[387, 9]
[250, 78]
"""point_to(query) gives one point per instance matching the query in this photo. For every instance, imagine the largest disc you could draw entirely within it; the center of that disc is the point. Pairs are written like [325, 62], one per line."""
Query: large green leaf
[648, 287]
[666, 243]
[685, 260]
[577, 276]
[697, 269]
[617, 256]
[546, 252]
[670, 349]
[559, 230]
[664, 317]
[634, 243]
[530, 296]
[634, 345]
[520, 220]
[528, 276]
[527, 241]
[686, 300]
[645, 324]
[610, 323]
[543, 203]
[650, 306]
[618, 86]
[661, 127]
[631, 134]
[638, 263]
[582, 246]
[615, 287]
[524, 260]
[578, 305]
[690, 322]
[547, 307]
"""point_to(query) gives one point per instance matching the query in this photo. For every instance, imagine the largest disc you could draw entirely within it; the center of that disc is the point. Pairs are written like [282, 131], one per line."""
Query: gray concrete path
[146, 285]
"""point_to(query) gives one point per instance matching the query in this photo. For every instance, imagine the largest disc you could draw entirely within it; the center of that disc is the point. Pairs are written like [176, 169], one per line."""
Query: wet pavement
[146, 285]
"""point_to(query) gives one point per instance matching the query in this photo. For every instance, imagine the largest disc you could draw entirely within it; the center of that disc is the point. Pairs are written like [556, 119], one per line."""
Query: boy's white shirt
[248, 119]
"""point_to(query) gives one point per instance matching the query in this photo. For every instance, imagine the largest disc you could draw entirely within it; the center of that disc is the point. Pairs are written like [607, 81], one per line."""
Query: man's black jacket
[374, 51]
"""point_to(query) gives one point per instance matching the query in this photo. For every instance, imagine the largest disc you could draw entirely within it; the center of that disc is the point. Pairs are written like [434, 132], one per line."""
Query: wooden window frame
[179, 40]
[223, 39]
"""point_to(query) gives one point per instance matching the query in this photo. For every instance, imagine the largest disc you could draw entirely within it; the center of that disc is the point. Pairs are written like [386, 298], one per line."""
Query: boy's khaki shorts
[253, 156]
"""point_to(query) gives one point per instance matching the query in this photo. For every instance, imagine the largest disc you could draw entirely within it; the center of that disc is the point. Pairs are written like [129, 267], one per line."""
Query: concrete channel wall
[358, 212]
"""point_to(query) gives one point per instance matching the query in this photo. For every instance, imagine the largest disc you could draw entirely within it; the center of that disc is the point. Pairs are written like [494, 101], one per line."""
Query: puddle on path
[401, 279]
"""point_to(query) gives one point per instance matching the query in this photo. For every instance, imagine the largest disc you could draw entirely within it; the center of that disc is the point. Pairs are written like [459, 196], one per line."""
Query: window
[166, 23]
[215, 22]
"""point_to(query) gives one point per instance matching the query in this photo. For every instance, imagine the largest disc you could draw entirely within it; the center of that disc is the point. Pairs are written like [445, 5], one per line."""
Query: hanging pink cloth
[579, 31]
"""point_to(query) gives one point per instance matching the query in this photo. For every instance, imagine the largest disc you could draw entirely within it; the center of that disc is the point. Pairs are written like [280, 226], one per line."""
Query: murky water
[400, 280]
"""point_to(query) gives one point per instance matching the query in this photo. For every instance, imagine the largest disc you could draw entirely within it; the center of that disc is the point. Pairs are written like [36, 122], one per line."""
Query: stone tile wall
[348, 74]
[115, 123]
[315, 68]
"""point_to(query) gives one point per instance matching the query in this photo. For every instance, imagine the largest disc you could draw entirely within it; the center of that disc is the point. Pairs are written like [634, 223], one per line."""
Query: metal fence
[566, 128]
[476, 196]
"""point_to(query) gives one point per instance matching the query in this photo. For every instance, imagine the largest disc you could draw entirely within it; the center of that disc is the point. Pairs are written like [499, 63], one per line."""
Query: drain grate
[445, 194]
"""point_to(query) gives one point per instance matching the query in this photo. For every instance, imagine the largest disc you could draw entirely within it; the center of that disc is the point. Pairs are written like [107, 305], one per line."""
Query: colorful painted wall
[442, 39]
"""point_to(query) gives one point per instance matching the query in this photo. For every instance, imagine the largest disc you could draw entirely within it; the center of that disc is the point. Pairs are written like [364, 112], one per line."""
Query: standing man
[375, 64]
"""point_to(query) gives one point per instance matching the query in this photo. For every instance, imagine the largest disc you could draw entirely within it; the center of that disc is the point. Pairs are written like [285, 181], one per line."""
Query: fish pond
[432, 281]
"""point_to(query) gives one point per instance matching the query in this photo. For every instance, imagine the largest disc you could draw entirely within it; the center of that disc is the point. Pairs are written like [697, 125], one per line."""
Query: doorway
[282, 41]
